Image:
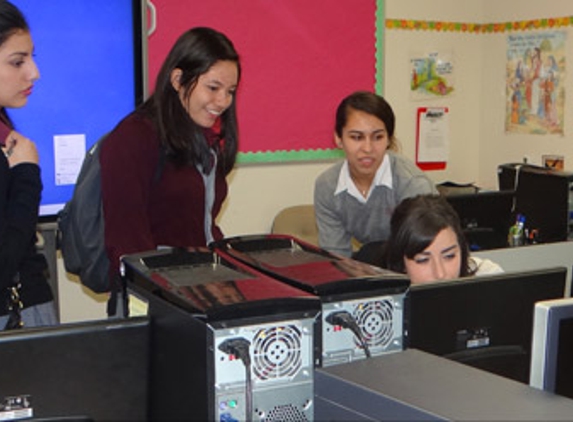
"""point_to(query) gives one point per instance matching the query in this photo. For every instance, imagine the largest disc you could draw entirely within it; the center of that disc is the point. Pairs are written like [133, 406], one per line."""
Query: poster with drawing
[432, 76]
[535, 88]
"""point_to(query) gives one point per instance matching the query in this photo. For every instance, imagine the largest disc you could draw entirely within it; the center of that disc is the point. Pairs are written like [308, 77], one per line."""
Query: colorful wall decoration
[535, 89]
[479, 28]
[431, 75]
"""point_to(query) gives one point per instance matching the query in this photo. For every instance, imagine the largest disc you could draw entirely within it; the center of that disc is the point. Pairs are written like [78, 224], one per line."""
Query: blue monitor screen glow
[89, 54]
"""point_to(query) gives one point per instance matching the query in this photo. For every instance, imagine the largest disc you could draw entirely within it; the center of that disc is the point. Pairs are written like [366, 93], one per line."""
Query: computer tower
[228, 343]
[362, 305]
[418, 386]
[485, 217]
[542, 195]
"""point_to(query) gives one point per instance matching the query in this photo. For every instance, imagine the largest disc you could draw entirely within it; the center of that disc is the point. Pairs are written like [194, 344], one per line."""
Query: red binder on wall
[432, 138]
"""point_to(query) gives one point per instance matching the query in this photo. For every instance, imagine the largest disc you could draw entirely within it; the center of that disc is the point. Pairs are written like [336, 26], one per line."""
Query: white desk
[533, 257]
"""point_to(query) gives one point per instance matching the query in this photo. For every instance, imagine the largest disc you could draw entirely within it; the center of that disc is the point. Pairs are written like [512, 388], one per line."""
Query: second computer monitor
[483, 321]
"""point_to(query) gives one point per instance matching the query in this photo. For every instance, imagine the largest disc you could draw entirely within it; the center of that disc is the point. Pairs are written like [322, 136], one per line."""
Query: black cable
[345, 320]
[239, 347]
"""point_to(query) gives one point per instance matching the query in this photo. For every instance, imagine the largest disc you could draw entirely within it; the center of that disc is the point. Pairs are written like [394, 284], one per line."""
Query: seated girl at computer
[356, 197]
[427, 242]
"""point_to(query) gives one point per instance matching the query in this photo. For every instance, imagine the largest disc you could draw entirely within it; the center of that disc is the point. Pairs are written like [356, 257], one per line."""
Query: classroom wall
[257, 192]
[463, 104]
[495, 145]
[478, 143]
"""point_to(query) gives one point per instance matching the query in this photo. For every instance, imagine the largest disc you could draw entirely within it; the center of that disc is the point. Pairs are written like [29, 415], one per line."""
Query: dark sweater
[141, 212]
[20, 190]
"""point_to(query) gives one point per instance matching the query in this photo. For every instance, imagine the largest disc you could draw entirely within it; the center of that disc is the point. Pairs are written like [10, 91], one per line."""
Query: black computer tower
[542, 196]
[228, 343]
[362, 305]
[485, 217]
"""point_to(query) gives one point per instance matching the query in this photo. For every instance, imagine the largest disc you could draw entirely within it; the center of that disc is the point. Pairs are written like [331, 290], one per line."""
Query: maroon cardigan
[141, 212]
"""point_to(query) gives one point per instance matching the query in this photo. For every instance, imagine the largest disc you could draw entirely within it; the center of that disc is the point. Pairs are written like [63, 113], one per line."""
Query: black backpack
[81, 225]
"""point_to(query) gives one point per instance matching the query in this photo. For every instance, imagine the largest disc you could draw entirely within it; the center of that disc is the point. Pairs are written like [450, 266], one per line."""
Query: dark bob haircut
[415, 224]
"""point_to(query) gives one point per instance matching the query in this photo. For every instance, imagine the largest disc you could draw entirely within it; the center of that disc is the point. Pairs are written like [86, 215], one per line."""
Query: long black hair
[194, 53]
[11, 21]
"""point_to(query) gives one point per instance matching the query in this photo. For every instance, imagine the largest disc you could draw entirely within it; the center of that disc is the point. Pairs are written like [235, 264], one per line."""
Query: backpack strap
[160, 164]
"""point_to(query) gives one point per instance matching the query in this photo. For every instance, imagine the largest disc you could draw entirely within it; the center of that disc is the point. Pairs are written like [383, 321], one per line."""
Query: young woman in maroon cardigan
[164, 166]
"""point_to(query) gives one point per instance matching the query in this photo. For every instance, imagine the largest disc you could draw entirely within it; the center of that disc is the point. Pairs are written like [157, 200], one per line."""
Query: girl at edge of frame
[22, 267]
[164, 166]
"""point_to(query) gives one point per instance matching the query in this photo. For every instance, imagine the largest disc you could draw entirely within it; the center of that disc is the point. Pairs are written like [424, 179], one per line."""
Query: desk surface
[533, 257]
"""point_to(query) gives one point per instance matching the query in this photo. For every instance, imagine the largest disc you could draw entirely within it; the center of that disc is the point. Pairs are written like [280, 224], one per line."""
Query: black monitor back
[484, 321]
[485, 217]
[542, 196]
[564, 375]
[87, 371]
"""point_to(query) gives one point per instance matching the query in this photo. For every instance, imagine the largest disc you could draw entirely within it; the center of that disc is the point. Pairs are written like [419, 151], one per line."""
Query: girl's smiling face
[212, 94]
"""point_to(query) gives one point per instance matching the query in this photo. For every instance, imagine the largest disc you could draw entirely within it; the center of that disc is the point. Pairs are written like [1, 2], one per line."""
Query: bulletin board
[299, 59]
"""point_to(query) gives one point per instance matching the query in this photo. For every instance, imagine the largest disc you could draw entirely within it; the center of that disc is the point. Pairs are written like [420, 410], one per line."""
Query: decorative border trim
[289, 156]
[379, 36]
[479, 28]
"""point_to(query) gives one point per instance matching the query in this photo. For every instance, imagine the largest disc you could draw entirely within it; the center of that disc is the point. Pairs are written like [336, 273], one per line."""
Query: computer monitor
[485, 217]
[88, 371]
[552, 347]
[483, 321]
[90, 55]
[542, 195]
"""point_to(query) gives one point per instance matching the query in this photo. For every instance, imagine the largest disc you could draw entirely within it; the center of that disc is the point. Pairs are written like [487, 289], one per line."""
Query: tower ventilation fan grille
[375, 320]
[277, 352]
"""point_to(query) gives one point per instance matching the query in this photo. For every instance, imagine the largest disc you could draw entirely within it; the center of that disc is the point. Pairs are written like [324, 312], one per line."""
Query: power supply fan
[277, 352]
[375, 320]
